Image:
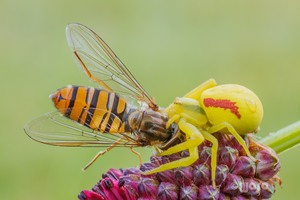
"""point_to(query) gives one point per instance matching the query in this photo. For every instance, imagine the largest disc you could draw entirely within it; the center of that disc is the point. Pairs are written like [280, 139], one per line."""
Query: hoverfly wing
[54, 129]
[102, 65]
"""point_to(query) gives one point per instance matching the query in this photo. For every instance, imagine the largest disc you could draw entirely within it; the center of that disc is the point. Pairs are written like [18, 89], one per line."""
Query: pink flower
[237, 176]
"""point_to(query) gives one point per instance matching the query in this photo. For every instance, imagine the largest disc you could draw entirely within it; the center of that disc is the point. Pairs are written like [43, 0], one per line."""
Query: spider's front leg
[196, 92]
[193, 139]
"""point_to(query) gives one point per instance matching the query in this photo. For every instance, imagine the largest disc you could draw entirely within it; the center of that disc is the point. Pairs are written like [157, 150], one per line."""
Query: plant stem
[283, 139]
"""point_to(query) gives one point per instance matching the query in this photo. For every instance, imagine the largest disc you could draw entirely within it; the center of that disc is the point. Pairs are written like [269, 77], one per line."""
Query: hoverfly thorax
[150, 125]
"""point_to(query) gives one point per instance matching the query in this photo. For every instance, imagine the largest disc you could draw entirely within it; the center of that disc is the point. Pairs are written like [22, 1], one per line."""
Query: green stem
[284, 139]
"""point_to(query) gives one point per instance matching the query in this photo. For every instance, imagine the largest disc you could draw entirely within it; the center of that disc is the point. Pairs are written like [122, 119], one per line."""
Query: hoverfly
[118, 113]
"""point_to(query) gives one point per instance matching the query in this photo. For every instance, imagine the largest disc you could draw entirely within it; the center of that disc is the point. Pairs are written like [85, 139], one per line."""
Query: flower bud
[251, 187]
[244, 166]
[267, 190]
[166, 176]
[208, 193]
[129, 184]
[167, 191]
[236, 145]
[109, 188]
[204, 155]
[221, 174]
[267, 166]
[183, 175]
[156, 160]
[227, 156]
[189, 192]
[130, 171]
[147, 188]
[147, 166]
[113, 174]
[233, 185]
[201, 175]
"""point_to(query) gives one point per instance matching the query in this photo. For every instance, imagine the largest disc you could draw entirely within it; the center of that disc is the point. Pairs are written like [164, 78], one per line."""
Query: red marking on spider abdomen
[222, 103]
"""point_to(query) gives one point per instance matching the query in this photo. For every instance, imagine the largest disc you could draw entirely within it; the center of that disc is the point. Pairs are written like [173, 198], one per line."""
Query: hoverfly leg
[158, 151]
[102, 153]
[139, 156]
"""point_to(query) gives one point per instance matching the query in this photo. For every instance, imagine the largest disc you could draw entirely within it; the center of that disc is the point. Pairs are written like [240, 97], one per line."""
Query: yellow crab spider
[207, 109]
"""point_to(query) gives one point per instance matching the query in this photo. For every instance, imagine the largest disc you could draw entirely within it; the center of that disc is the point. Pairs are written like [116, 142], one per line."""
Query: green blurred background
[170, 47]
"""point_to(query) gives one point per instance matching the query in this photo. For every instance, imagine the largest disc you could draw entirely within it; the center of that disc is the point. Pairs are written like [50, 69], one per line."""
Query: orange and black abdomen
[95, 108]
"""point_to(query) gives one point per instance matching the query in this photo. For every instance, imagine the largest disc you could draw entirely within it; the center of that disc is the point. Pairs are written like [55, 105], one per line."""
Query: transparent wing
[256, 138]
[54, 129]
[102, 65]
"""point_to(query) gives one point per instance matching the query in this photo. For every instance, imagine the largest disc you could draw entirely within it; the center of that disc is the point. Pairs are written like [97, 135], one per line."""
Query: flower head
[237, 176]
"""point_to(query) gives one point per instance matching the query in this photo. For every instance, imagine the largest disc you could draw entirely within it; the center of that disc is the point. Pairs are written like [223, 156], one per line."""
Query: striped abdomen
[95, 108]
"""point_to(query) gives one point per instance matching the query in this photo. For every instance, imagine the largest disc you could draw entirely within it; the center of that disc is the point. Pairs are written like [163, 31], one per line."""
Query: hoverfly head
[153, 126]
